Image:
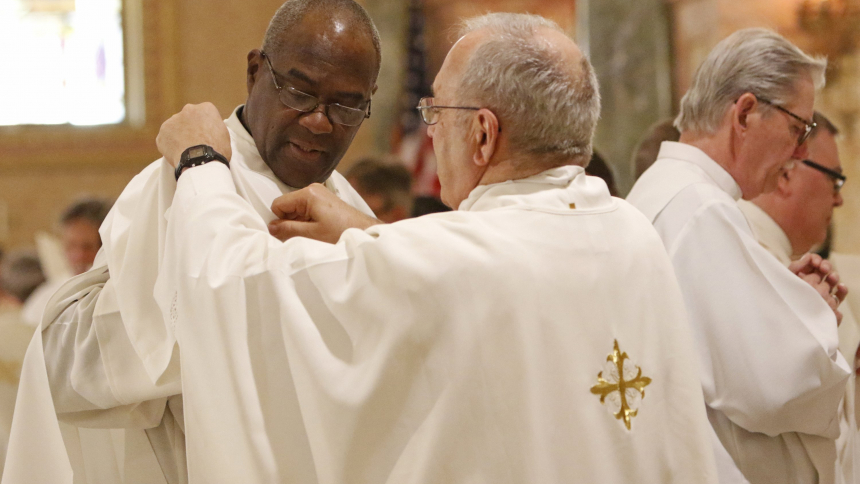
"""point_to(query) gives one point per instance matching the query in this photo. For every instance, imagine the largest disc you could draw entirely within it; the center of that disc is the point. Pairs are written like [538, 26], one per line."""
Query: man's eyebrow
[301, 76]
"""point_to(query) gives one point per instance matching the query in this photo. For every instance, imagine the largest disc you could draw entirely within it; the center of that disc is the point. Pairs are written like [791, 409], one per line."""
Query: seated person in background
[385, 185]
[79, 236]
[508, 342]
[20, 274]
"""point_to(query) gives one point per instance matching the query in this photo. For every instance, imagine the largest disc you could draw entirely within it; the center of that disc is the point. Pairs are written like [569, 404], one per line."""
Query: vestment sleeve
[107, 349]
[768, 342]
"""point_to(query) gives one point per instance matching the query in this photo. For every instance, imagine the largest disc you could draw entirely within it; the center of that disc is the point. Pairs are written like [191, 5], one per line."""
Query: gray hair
[544, 109]
[293, 11]
[757, 61]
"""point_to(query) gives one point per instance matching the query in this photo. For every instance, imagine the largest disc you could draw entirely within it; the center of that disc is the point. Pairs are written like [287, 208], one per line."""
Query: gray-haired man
[770, 369]
[487, 344]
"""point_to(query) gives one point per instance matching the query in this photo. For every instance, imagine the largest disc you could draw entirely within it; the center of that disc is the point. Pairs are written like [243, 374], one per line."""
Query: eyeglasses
[305, 103]
[808, 125]
[430, 112]
[838, 178]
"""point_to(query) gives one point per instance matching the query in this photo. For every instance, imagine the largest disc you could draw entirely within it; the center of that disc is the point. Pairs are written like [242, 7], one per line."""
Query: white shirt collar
[563, 187]
[691, 154]
[767, 232]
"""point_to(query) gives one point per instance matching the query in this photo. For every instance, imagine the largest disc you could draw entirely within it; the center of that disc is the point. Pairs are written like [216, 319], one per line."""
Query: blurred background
[85, 84]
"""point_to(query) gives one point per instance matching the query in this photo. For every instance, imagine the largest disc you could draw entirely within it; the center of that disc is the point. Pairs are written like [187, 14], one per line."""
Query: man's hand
[819, 273]
[315, 213]
[196, 124]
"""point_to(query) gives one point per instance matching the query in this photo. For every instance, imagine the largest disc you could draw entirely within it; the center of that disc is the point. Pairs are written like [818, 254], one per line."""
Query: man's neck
[515, 169]
[241, 115]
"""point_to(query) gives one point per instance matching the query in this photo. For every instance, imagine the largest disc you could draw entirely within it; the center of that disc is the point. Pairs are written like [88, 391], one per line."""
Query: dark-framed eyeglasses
[838, 178]
[305, 103]
[430, 111]
[807, 125]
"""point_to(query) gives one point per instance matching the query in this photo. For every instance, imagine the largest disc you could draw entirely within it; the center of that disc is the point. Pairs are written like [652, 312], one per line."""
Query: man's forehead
[824, 151]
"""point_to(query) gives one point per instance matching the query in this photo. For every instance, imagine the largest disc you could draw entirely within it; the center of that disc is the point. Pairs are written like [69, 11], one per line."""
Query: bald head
[537, 81]
[339, 17]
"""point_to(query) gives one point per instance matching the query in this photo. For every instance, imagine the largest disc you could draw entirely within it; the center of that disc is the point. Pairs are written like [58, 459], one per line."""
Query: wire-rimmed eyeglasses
[807, 125]
[430, 112]
[305, 103]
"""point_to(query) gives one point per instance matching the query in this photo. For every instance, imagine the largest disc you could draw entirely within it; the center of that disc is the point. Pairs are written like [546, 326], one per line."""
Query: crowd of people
[245, 313]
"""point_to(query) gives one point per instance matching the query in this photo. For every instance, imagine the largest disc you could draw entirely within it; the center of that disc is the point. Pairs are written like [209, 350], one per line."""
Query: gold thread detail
[617, 381]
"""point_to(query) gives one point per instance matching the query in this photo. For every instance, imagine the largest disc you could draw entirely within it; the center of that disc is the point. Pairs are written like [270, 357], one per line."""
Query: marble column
[629, 44]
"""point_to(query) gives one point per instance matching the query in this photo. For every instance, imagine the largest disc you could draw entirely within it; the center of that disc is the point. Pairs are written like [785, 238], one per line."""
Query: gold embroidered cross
[630, 388]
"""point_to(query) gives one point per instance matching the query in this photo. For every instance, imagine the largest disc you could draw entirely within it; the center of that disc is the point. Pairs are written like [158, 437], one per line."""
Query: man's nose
[431, 130]
[316, 121]
[800, 152]
[837, 200]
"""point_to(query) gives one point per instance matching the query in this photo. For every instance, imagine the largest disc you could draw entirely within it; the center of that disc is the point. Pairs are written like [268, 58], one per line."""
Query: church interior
[173, 52]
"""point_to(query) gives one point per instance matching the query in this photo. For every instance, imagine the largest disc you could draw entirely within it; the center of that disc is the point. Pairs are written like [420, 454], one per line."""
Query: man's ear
[742, 109]
[485, 135]
[784, 184]
[255, 57]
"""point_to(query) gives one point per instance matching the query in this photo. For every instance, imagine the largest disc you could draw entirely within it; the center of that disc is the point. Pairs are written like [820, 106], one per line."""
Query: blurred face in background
[81, 243]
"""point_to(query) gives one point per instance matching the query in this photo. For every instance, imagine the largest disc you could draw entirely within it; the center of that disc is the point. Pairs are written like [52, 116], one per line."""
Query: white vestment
[462, 347]
[111, 360]
[772, 375]
[770, 235]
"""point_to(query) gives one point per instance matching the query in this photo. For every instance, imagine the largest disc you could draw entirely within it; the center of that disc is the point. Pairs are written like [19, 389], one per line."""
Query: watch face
[196, 152]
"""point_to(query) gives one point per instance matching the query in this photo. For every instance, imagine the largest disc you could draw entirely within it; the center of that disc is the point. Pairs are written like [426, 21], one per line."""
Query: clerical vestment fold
[772, 375]
[107, 355]
[536, 335]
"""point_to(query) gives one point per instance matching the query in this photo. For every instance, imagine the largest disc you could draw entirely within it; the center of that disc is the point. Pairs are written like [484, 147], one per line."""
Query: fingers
[196, 124]
[284, 230]
[841, 292]
[293, 206]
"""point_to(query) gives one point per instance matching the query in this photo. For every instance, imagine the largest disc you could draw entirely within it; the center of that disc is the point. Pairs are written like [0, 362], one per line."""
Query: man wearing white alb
[772, 375]
[110, 358]
[488, 344]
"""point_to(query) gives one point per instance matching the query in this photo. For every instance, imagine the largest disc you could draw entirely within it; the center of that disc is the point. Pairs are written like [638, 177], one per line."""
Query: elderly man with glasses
[794, 218]
[766, 334]
[111, 358]
[534, 335]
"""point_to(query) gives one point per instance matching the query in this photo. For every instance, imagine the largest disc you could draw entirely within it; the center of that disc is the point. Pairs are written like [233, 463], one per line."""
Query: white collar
[562, 188]
[767, 232]
[691, 154]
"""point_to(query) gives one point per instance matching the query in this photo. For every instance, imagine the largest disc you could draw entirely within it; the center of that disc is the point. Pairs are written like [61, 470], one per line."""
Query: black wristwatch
[196, 156]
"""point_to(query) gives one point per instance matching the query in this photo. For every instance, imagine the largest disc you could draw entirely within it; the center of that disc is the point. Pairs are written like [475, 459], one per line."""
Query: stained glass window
[61, 61]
